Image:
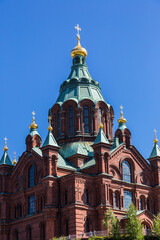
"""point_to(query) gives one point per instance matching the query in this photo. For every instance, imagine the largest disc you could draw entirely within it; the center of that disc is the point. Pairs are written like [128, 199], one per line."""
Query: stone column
[95, 123]
[78, 116]
[63, 114]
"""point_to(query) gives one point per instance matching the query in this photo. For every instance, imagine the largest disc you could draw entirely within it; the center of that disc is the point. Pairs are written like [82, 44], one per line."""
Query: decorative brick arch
[26, 172]
[132, 166]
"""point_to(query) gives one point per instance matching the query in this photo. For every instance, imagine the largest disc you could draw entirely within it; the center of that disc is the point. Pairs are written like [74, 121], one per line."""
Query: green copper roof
[62, 163]
[50, 140]
[101, 137]
[37, 150]
[88, 164]
[5, 159]
[33, 132]
[155, 151]
[79, 85]
[69, 149]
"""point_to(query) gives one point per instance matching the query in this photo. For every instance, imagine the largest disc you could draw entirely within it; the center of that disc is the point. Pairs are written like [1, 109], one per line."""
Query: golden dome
[50, 127]
[155, 137]
[14, 160]
[5, 147]
[122, 119]
[101, 125]
[78, 50]
[33, 125]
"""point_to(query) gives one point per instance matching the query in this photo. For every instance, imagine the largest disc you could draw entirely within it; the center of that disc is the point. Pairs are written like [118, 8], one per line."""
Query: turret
[33, 139]
[50, 150]
[5, 158]
[101, 148]
[122, 133]
[154, 160]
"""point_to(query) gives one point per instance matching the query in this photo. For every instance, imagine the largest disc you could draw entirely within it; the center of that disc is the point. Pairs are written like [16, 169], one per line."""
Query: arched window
[126, 171]
[100, 115]
[115, 199]
[28, 233]
[86, 196]
[87, 225]
[86, 119]
[140, 204]
[71, 121]
[127, 198]
[59, 123]
[31, 176]
[43, 231]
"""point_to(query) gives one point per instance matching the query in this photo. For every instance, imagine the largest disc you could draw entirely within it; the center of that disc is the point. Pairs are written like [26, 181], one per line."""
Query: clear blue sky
[122, 38]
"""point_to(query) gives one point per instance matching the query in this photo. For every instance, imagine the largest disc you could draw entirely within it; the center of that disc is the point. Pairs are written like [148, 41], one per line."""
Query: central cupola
[80, 106]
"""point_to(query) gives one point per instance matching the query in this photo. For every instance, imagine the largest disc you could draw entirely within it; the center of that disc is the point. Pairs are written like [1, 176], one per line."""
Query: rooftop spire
[50, 127]
[33, 125]
[14, 160]
[5, 147]
[155, 137]
[122, 119]
[78, 50]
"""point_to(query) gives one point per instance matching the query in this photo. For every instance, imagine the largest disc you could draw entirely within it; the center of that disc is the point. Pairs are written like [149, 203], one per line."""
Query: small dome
[78, 50]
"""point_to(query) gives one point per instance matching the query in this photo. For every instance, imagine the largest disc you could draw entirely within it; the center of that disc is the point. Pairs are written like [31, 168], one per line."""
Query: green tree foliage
[133, 224]
[156, 226]
[112, 225]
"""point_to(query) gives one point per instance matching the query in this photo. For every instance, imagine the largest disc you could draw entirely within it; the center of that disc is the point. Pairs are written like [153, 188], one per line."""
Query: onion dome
[14, 160]
[33, 125]
[122, 119]
[78, 50]
[5, 158]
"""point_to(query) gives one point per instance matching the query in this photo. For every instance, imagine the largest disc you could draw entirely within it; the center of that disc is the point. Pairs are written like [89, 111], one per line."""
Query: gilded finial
[14, 160]
[155, 137]
[78, 50]
[50, 127]
[122, 119]
[33, 125]
[101, 124]
[5, 147]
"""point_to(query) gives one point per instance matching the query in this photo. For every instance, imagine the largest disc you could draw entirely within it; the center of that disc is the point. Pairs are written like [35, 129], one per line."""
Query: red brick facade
[72, 192]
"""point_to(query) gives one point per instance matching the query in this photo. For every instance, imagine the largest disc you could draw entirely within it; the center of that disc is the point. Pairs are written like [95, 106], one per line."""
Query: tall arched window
[127, 198]
[28, 233]
[116, 199]
[43, 231]
[59, 123]
[71, 120]
[140, 204]
[100, 115]
[31, 176]
[148, 205]
[86, 119]
[126, 171]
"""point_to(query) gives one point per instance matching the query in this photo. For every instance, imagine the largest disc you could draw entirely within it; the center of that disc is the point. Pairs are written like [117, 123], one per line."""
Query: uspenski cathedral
[63, 186]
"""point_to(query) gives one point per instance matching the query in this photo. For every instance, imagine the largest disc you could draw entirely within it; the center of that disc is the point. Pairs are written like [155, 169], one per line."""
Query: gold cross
[155, 131]
[33, 113]
[78, 29]
[14, 154]
[49, 120]
[5, 139]
[121, 108]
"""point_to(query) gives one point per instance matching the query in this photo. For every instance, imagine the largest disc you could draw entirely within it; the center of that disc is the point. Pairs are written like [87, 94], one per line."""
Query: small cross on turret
[78, 29]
